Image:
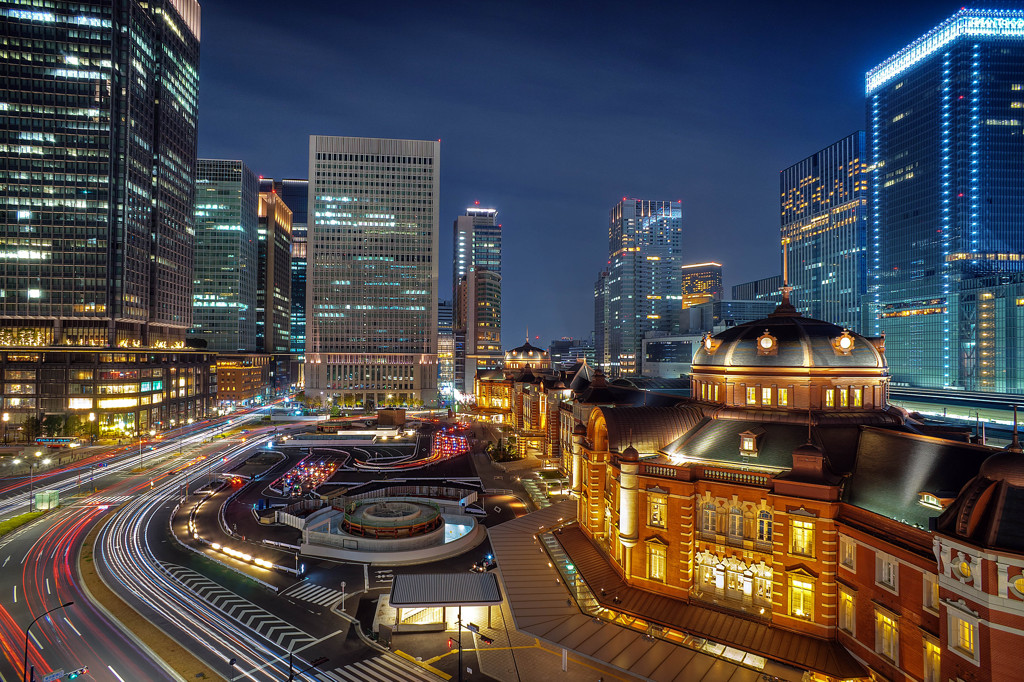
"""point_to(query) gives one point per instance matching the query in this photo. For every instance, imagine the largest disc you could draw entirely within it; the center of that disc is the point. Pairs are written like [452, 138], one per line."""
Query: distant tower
[824, 223]
[445, 351]
[372, 251]
[701, 282]
[642, 291]
[476, 289]
[273, 290]
[226, 256]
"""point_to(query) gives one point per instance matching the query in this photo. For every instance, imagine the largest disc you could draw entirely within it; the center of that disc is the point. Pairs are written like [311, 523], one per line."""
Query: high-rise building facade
[372, 269]
[97, 163]
[296, 197]
[226, 275]
[274, 286]
[445, 352]
[476, 294]
[701, 282]
[944, 119]
[642, 291]
[764, 289]
[823, 206]
[567, 351]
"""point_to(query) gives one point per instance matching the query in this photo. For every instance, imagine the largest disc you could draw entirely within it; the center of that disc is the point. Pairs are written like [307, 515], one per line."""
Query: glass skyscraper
[476, 289]
[642, 291]
[701, 282]
[98, 111]
[945, 119]
[371, 298]
[823, 201]
[226, 274]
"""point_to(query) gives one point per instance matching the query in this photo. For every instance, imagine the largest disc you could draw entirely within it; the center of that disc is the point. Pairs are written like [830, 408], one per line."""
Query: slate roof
[893, 467]
[718, 440]
[802, 342]
[647, 428]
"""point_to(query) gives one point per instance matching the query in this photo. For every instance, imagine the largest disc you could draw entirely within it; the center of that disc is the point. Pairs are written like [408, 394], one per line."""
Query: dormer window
[933, 501]
[749, 442]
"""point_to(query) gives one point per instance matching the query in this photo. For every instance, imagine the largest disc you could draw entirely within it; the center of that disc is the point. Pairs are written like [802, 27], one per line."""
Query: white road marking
[15, 594]
[72, 626]
[115, 673]
[7, 559]
[33, 636]
[48, 586]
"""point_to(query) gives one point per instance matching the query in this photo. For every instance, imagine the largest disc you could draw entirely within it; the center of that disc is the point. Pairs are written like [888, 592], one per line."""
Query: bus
[54, 442]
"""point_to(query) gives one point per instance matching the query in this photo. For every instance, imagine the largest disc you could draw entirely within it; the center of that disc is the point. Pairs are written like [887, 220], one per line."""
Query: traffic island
[152, 639]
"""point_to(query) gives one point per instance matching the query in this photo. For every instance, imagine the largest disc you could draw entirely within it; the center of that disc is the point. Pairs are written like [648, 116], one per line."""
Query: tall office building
[296, 196]
[274, 286]
[226, 275]
[97, 163]
[445, 352]
[946, 150]
[823, 201]
[372, 269]
[764, 289]
[476, 289]
[701, 282]
[642, 291]
[567, 351]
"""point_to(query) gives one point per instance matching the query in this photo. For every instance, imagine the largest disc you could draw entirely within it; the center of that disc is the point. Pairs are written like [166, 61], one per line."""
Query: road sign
[472, 627]
[497, 509]
[55, 675]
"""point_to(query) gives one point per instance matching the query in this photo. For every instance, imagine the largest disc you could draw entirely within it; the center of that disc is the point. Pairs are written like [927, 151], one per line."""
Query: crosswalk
[316, 594]
[256, 618]
[379, 669]
[110, 500]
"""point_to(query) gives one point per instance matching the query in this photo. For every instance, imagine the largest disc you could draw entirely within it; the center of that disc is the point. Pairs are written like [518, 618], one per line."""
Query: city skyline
[551, 177]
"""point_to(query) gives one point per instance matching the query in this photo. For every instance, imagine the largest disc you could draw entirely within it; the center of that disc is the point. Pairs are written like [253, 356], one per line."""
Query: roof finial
[785, 307]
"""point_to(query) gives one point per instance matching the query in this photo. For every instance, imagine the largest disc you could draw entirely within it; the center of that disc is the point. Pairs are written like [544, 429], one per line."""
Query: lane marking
[7, 559]
[115, 673]
[48, 586]
[15, 594]
[33, 635]
[72, 626]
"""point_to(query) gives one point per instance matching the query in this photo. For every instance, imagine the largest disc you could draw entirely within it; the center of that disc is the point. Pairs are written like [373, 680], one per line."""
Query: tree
[33, 428]
[52, 424]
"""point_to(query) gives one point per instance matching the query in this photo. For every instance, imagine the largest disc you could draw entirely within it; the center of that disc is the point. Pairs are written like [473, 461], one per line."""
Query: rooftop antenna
[785, 307]
[1015, 445]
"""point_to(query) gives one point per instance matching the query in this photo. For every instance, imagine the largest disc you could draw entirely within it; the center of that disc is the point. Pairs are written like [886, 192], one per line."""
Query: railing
[741, 477]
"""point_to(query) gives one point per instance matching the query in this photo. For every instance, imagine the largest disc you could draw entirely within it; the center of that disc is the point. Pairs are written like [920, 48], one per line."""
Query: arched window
[764, 527]
[736, 523]
[709, 519]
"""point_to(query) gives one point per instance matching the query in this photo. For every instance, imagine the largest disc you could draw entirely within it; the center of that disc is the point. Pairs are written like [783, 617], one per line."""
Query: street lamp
[24, 669]
[92, 426]
[7, 418]
[152, 432]
[31, 468]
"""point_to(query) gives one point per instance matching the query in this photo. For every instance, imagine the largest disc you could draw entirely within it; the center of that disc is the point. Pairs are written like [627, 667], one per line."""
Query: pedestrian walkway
[379, 669]
[115, 499]
[313, 593]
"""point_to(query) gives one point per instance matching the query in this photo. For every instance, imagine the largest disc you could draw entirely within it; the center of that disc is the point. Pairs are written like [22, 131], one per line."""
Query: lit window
[766, 396]
[931, 592]
[847, 612]
[716, 391]
[801, 598]
[847, 553]
[703, 391]
[783, 394]
[747, 443]
[657, 556]
[764, 527]
[736, 523]
[932, 661]
[709, 519]
[965, 636]
[830, 398]
[886, 635]
[657, 511]
[844, 399]
[857, 397]
[751, 395]
[964, 569]
[887, 571]
[802, 539]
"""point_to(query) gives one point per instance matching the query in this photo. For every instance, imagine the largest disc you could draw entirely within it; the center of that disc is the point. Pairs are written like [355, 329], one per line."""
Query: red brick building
[788, 511]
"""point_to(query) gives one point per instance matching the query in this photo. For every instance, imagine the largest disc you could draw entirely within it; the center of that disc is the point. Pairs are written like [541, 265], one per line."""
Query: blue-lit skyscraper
[642, 291]
[476, 294]
[946, 149]
[823, 205]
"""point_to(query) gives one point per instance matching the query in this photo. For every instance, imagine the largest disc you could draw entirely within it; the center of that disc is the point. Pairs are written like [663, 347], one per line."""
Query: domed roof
[630, 454]
[526, 353]
[1007, 465]
[785, 339]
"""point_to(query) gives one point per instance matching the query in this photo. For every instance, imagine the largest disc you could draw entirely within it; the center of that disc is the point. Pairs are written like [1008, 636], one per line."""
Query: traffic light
[75, 673]
[486, 640]
[451, 642]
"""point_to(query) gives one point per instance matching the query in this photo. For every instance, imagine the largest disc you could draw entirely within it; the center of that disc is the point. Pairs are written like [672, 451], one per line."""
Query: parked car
[486, 564]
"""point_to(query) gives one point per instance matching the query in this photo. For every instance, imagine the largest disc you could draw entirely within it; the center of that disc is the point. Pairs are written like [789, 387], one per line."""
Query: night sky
[551, 112]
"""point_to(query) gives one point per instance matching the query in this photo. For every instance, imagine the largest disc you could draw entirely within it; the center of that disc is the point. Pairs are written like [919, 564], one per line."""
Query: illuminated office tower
[97, 166]
[445, 352]
[946, 150]
[823, 206]
[296, 195]
[476, 289]
[274, 286]
[701, 282]
[226, 276]
[372, 269]
[642, 291]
